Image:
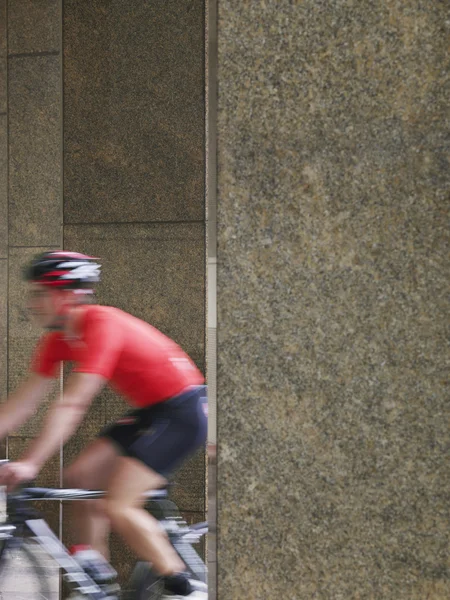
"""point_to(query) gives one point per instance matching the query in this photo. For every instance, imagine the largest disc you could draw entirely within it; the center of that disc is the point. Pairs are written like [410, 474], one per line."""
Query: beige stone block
[35, 206]
[3, 60]
[189, 490]
[332, 296]
[34, 26]
[133, 112]
[3, 185]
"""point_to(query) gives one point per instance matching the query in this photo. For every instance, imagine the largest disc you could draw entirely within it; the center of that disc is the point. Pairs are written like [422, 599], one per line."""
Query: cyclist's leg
[141, 531]
[174, 430]
[92, 469]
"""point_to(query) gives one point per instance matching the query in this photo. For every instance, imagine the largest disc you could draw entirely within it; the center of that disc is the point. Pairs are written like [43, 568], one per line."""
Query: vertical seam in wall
[61, 192]
[215, 53]
[7, 212]
[205, 214]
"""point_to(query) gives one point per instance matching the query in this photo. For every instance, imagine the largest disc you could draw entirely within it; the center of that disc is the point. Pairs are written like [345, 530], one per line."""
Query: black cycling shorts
[163, 435]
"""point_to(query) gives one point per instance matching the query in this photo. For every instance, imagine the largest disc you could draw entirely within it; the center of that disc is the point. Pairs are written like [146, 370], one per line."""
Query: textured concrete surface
[133, 111]
[34, 26]
[3, 59]
[35, 207]
[3, 187]
[189, 490]
[333, 300]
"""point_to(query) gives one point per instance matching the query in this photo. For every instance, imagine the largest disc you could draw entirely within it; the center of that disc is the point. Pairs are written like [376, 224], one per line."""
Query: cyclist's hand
[15, 473]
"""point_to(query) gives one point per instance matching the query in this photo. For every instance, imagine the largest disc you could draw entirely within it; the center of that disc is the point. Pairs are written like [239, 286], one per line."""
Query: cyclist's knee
[74, 477]
[117, 511]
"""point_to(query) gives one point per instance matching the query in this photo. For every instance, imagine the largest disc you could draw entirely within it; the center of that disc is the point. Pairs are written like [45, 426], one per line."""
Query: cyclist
[137, 452]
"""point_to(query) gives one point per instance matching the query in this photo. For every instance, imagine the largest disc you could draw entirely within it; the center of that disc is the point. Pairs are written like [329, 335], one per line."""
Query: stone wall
[333, 270]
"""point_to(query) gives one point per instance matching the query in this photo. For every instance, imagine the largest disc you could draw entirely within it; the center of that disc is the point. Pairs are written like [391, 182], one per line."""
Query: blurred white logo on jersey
[183, 364]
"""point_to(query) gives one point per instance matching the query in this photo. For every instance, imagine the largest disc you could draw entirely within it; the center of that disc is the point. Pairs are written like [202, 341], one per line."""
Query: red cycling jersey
[138, 360]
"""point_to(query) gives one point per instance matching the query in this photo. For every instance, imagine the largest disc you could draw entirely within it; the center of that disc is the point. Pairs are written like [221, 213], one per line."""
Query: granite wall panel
[133, 111]
[35, 207]
[34, 26]
[3, 59]
[333, 275]
[3, 186]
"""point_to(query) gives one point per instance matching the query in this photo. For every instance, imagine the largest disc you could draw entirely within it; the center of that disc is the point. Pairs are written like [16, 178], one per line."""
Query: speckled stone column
[333, 268]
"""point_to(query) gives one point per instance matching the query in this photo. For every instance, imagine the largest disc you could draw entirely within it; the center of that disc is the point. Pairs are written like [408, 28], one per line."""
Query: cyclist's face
[46, 305]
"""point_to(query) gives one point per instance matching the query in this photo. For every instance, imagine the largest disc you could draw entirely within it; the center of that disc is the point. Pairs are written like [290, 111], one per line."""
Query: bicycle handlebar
[38, 493]
[41, 493]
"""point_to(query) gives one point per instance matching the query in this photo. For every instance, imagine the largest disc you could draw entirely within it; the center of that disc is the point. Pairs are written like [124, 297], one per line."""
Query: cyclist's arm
[23, 403]
[65, 416]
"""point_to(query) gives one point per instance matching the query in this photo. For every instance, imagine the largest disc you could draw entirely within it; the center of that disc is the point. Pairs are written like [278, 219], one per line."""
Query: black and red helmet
[63, 270]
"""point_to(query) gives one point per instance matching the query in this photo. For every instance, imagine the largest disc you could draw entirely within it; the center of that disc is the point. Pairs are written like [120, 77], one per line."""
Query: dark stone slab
[3, 187]
[3, 83]
[3, 34]
[133, 111]
[333, 271]
[34, 26]
[3, 59]
[189, 491]
[35, 207]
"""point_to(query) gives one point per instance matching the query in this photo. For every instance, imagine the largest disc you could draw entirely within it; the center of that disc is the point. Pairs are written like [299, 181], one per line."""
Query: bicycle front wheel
[27, 572]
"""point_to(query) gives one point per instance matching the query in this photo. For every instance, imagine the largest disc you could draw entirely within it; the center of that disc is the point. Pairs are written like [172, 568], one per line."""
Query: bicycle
[32, 557]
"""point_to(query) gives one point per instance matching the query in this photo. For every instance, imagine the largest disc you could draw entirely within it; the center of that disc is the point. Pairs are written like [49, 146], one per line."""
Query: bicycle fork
[77, 579]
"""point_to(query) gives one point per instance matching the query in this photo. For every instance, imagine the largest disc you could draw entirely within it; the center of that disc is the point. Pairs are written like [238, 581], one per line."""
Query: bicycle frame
[19, 516]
